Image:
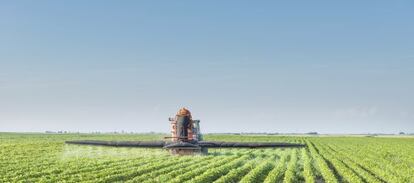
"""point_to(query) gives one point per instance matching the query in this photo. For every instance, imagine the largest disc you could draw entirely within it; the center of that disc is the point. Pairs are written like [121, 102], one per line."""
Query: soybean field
[46, 158]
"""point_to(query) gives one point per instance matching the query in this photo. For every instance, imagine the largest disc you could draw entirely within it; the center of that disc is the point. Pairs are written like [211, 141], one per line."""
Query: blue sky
[239, 66]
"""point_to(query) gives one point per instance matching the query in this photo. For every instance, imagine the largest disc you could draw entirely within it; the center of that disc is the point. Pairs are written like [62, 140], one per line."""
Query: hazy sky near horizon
[239, 66]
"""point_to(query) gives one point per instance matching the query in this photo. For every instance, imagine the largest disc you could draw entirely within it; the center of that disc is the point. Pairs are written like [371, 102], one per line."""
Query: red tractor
[186, 139]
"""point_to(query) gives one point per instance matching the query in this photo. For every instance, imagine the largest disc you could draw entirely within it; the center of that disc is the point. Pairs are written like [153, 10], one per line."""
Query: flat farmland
[46, 158]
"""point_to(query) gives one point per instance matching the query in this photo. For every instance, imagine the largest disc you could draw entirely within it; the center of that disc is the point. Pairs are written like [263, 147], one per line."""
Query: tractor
[186, 139]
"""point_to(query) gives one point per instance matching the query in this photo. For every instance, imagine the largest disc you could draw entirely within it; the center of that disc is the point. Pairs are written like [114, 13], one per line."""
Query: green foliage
[259, 173]
[291, 168]
[307, 167]
[277, 172]
[45, 158]
[236, 174]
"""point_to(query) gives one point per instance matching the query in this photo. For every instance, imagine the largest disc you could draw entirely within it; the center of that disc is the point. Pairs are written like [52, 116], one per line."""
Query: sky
[239, 66]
